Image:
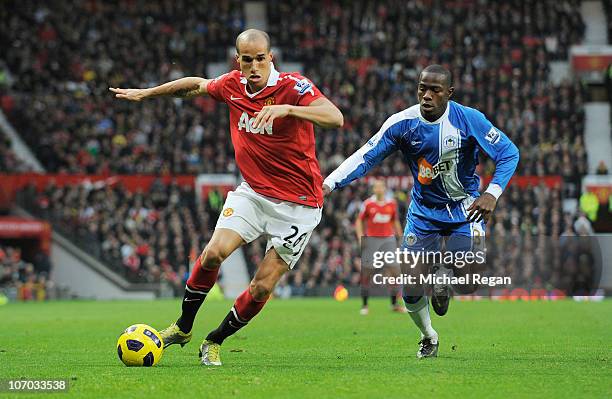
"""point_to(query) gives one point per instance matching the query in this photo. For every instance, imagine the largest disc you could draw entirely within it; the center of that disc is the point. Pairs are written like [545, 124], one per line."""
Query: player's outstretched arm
[321, 112]
[185, 88]
[363, 160]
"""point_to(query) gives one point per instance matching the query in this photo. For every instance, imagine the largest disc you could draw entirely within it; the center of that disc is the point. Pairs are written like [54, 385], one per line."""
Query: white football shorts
[287, 225]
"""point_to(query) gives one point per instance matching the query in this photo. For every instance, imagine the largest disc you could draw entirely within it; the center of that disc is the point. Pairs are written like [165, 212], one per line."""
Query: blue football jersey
[442, 155]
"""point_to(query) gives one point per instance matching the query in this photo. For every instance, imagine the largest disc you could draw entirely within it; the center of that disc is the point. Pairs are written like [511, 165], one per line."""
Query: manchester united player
[271, 119]
[382, 228]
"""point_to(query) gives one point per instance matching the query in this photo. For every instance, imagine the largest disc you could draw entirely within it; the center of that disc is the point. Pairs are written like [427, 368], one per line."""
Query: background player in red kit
[382, 229]
[271, 120]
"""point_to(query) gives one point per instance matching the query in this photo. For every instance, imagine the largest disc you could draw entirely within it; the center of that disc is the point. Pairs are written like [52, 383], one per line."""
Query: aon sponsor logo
[381, 218]
[427, 172]
[246, 123]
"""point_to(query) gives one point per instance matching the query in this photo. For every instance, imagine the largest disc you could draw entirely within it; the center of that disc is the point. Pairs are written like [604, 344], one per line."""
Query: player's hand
[326, 190]
[266, 116]
[482, 208]
[129, 94]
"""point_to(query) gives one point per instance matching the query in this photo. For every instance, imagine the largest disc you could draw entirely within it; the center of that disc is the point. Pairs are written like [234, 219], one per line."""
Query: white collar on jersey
[440, 119]
[272, 80]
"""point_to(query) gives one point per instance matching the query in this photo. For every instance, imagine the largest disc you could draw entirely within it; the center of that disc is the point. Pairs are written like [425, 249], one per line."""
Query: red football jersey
[280, 161]
[379, 217]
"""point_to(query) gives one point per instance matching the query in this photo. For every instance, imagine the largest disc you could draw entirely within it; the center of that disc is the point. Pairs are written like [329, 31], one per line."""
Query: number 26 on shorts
[292, 244]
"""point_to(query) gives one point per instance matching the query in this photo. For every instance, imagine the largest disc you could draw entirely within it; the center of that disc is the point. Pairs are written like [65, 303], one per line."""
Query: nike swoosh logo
[235, 98]
[416, 142]
[191, 299]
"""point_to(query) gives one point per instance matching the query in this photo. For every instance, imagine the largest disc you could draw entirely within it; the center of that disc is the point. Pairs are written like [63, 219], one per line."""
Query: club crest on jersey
[427, 172]
[247, 124]
[303, 86]
[227, 212]
[450, 142]
[411, 239]
[269, 101]
[493, 136]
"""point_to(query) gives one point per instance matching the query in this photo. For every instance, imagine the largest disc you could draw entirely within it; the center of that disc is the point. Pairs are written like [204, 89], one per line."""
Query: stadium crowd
[24, 281]
[9, 161]
[146, 237]
[499, 54]
[359, 53]
[63, 57]
[154, 236]
[354, 51]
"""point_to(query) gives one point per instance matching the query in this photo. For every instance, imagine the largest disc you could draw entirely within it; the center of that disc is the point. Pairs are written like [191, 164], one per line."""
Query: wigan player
[271, 118]
[439, 140]
[382, 228]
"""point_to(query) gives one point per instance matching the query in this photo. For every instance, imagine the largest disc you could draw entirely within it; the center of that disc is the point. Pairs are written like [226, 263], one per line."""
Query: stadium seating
[146, 237]
[9, 161]
[85, 129]
[154, 236]
[503, 74]
[356, 54]
[21, 280]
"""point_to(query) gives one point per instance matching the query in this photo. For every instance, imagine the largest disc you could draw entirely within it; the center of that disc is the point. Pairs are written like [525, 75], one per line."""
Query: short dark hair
[252, 34]
[439, 69]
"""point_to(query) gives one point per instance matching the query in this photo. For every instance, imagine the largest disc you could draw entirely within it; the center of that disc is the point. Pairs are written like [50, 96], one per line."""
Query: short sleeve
[306, 91]
[497, 146]
[216, 87]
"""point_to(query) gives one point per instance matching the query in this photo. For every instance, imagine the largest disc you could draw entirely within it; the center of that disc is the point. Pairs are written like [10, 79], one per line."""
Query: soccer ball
[341, 294]
[140, 345]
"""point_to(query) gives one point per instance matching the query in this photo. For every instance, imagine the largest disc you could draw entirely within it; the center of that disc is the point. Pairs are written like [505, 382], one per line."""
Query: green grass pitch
[319, 348]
